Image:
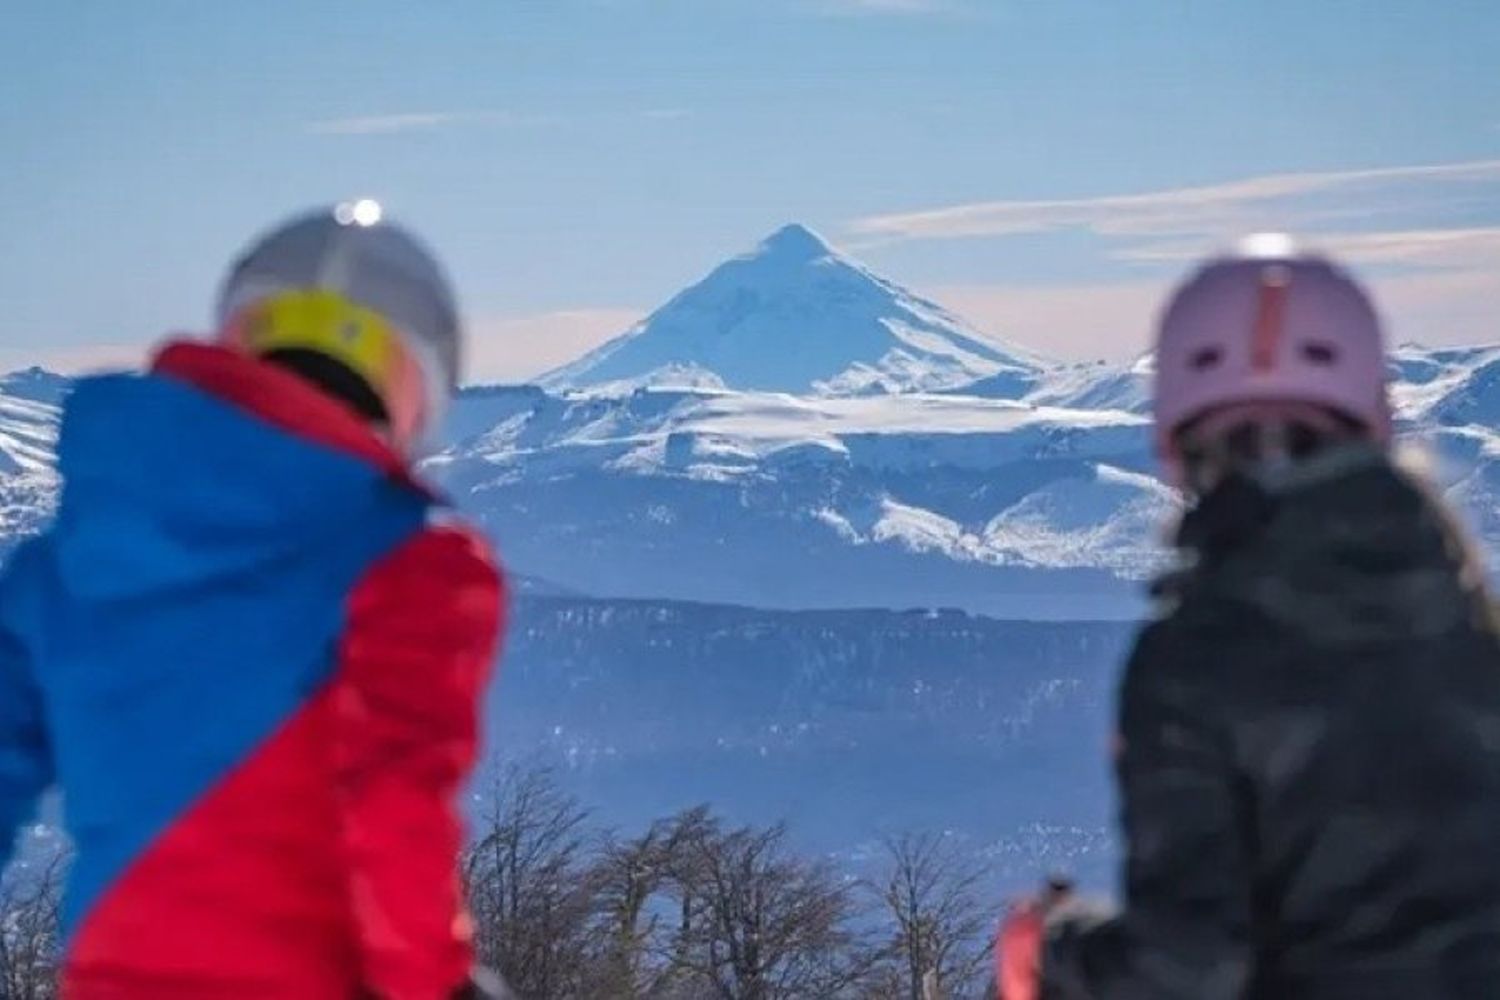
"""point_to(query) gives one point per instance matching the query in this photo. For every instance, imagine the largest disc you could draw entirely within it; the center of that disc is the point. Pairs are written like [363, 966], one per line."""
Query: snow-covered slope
[795, 315]
[1042, 505]
[1450, 387]
[28, 440]
[1095, 516]
[1096, 386]
[785, 501]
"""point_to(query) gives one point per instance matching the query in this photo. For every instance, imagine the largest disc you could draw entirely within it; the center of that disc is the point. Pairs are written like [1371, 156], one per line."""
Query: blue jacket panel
[188, 599]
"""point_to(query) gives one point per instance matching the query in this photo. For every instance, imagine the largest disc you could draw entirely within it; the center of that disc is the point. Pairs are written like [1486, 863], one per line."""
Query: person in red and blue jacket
[251, 648]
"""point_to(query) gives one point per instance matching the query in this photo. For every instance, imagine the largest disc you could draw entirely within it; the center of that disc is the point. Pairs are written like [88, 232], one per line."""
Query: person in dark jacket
[1309, 753]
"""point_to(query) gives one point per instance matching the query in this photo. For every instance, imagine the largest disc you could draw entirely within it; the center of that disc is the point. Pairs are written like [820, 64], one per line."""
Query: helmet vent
[1319, 353]
[1205, 358]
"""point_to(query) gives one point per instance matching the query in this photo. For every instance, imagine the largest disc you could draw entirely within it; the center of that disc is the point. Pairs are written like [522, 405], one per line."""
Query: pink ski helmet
[1269, 324]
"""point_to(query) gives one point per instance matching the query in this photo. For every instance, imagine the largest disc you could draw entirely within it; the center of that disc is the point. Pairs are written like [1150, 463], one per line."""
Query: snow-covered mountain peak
[796, 315]
[794, 245]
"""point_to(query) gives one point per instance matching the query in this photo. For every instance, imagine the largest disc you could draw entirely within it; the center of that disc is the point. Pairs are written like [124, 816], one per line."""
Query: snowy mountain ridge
[1043, 505]
[1005, 506]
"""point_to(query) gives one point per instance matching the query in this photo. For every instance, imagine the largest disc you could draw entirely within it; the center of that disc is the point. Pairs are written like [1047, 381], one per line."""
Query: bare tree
[759, 923]
[29, 936]
[529, 886]
[939, 924]
[639, 942]
[693, 910]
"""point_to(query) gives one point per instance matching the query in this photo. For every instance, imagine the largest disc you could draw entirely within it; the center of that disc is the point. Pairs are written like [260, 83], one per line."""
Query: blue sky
[1043, 166]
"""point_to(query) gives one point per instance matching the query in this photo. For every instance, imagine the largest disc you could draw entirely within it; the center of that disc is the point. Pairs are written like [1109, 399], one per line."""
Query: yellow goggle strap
[326, 322]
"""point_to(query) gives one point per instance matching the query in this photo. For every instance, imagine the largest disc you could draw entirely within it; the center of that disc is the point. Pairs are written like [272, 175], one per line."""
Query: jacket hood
[167, 485]
[1346, 545]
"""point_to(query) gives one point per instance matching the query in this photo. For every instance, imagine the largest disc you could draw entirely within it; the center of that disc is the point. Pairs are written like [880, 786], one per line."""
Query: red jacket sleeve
[422, 632]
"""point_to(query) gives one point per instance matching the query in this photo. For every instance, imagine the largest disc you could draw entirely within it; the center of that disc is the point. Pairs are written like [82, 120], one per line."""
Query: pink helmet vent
[1270, 317]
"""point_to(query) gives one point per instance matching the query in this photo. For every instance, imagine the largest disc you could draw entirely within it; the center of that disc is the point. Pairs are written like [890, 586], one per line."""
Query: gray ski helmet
[351, 250]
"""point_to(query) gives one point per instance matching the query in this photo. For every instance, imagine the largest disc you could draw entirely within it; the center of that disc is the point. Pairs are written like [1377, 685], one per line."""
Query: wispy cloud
[422, 121]
[1439, 282]
[1450, 248]
[1439, 248]
[1113, 320]
[409, 122]
[1214, 209]
[884, 6]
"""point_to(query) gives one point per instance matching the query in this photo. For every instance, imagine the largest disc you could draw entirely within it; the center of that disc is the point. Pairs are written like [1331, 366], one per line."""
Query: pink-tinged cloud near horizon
[501, 349]
[516, 348]
[81, 359]
[1447, 292]
[1107, 321]
[1114, 321]
[1104, 321]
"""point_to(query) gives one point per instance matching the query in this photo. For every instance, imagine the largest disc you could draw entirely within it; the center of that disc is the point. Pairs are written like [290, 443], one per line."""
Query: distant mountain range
[795, 431]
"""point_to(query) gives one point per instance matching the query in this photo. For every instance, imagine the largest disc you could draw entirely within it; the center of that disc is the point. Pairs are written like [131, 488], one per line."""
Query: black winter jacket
[1310, 757]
